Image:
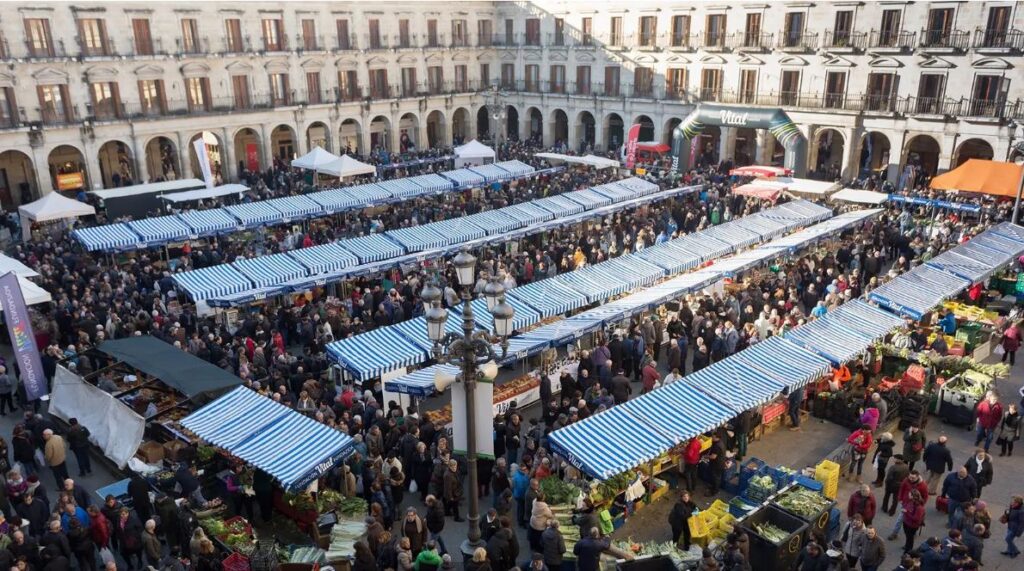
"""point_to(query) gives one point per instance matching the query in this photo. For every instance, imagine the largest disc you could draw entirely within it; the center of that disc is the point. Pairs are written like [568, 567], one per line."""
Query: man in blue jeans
[796, 398]
[959, 488]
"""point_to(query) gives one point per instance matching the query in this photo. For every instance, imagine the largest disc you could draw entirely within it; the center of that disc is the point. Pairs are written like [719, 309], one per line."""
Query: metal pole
[469, 372]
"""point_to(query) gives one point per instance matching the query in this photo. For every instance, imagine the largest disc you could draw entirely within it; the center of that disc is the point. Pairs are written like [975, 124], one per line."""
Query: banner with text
[23, 340]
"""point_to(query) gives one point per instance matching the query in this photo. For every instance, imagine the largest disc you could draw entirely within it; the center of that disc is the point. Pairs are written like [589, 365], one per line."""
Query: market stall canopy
[761, 171]
[806, 186]
[190, 375]
[204, 193]
[316, 160]
[347, 166]
[985, 177]
[474, 150]
[50, 207]
[758, 190]
[9, 264]
[421, 382]
[588, 160]
[860, 196]
[33, 294]
[291, 447]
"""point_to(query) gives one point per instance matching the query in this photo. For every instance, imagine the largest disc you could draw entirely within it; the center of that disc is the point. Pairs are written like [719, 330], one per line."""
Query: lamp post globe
[503, 314]
[465, 268]
[492, 291]
[436, 317]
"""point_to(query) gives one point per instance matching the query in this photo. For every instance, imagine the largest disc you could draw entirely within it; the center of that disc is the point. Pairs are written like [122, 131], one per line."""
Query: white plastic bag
[414, 487]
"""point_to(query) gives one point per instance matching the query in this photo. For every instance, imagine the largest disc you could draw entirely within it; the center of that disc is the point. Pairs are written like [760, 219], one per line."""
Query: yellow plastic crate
[719, 533]
[831, 491]
[725, 527]
[727, 519]
[705, 442]
[710, 518]
[826, 466]
[698, 527]
[719, 506]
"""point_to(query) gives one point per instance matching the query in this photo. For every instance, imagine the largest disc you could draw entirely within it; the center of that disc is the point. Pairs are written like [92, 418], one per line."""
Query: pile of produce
[353, 507]
[558, 492]
[969, 383]
[971, 312]
[760, 487]
[646, 548]
[344, 535]
[803, 502]
[570, 531]
[205, 453]
[329, 500]
[301, 501]
[608, 489]
[514, 387]
[949, 365]
[236, 533]
[771, 532]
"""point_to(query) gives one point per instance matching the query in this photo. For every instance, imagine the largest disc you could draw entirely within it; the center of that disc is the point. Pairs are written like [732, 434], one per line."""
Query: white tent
[222, 190]
[589, 160]
[801, 185]
[32, 293]
[315, 160]
[347, 166]
[473, 153]
[9, 264]
[860, 196]
[51, 207]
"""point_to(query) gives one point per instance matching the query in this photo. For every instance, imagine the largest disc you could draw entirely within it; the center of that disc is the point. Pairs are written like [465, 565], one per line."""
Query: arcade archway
[17, 179]
[560, 127]
[614, 131]
[349, 140]
[436, 129]
[247, 150]
[162, 159]
[318, 135]
[117, 168]
[585, 129]
[408, 132]
[512, 123]
[460, 126]
[211, 143]
[874, 155]
[646, 128]
[922, 153]
[829, 147]
[283, 144]
[67, 169]
[973, 149]
[536, 126]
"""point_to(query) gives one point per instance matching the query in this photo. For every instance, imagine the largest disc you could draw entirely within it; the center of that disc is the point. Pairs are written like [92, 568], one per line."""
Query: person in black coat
[679, 519]
[138, 489]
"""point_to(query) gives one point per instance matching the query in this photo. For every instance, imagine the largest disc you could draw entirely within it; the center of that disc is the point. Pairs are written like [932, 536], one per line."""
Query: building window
[996, 27]
[54, 103]
[106, 102]
[643, 81]
[409, 81]
[794, 29]
[313, 94]
[432, 40]
[273, 35]
[189, 36]
[533, 31]
[152, 99]
[842, 32]
[508, 76]
[240, 91]
[92, 35]
[233, 36]
[344, 40]
[648, 31]
[309, 39]
[710, 84]
[583, 79]
[374, 39]
[532, 72]
[748, 85]
[616, 38]
[142, 36]
[8, 108]
[461, 78]
[510, 32]
[714, 31]
[459, 33]
[835, 89]
[378, 83]
[989, 95]
[587, 31]
[37, 32]
[348, 85]
[404, 39]
[558, 79]
[881, 89]
[789, 89]
[485, 75]
[940, 24]
[280, 94]
[675, 83]
[435, 79]
[197, 91]
[889, 32]
[752, 31]
[484, 33]
[612, 80]
[930, 91]
[559, 39]
[680, 31]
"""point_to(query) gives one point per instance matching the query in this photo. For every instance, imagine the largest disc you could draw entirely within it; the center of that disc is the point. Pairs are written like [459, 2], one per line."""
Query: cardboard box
[177, 451]
[151, 452]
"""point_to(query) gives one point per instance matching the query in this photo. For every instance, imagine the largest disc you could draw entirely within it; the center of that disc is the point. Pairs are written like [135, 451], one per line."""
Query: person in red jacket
[650, 376]
[913, 519]
[862, 502]
[860, 442]
[691, 457]
[913, 482]
[989, 414]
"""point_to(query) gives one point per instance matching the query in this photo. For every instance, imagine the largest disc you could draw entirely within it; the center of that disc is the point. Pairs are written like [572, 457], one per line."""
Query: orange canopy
[977, 175]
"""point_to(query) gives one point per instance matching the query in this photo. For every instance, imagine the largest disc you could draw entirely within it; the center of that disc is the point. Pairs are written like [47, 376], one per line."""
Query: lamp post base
[467, 548]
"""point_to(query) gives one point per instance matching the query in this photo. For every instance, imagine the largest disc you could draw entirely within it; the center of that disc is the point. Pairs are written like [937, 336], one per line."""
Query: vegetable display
[970, 383]
[611, 487]
[771, 532]
[353, 507]
[558, 492]
[803, 502]
[949, 365]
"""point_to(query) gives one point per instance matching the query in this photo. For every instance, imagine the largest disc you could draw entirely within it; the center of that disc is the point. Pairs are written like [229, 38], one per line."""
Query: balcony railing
[530, 39]
[894, 39]
[999, 39]
[843, 39]
[306, 43]
[991, 108]
[945, 39]
[375, 42]
[155, 47]
[434, 41]
[106, 111]
[54, 50]
[106, 49]
[556, 40]
[714, 40]
[198, 47]
[237, 45]
[679, 41]
[751, 40]
[55, 118]
[798, 40]
[347, 43]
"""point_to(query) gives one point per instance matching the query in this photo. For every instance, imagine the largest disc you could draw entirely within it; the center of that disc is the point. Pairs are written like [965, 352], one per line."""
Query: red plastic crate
[237, 518]
[235, 562]
[915, 373]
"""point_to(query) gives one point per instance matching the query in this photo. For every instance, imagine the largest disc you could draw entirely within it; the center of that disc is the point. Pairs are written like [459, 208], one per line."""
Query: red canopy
[759, 191]
[761, 171]
[654, 147]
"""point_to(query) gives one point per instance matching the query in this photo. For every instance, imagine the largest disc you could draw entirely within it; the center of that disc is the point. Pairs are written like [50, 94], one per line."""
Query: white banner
[483, 396]
[204, 162]
[115, 428]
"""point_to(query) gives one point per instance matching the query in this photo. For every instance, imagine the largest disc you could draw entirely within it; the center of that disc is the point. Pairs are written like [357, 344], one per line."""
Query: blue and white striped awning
[350, 198]
[402, 188]
[732, 233]
[209, 222]
[608, 443]
[671, 259]
[784, 361]
[324, 259]
[969, 268]
[614, 191]
[831, 340]
[418, 238]
[588, 199]
[595, 284]
[372, 247]
[527, 213]
[111, 237]
[633, 271]
[1010, 231]
[639, 186]
[679, 286]
[494, 222]
[270, 271]
[701, 244]
[520, 347]
[516, 168]
[458, 230]
[160, 230]
[433, 183]
[252, 214]
[735, 265]
[803, 209]
[559, 206]
[918, 291]
[549, 297]
[491, 172]
[524, 316]
[998, 243]
[736, 386]
[295, 207]
[421, 382]
[565, 331]
[291, 447]
[679, 411]
[212, 282]
[463, 177]
[375, 352]
[764, 226]
[415, 330]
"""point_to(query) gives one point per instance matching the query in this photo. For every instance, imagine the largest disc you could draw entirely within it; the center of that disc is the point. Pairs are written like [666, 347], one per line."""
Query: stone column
[727, 144]
[851, 154]
[141, 164]
[228, 164]
[267, 155]
[184, 156]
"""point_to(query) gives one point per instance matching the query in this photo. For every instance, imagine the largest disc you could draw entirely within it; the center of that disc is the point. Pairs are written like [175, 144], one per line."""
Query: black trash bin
[769, 555]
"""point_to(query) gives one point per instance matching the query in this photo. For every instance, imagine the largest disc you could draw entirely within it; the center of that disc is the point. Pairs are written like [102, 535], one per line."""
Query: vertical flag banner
[23, 339]
[483, 396]
[204, 161]
[631, 142]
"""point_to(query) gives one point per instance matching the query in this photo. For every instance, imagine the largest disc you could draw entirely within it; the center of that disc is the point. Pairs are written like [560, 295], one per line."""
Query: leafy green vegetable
[803, 502]
[771, 532]
[558, 492]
